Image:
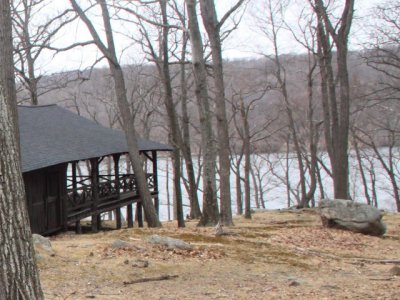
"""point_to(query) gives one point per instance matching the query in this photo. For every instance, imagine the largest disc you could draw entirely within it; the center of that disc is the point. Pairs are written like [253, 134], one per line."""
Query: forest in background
[91, 95]
[338, 100]
[272, 104]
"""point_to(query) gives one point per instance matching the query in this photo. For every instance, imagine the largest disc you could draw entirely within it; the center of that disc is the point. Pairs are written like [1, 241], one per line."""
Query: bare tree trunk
[210, 207]
[256, 188]
[212, 26]
[361, 167]
[247, 162]
[389, 167]
[313, 136]
[320, 183]
[305, 196]
[176, 137]
[336, 110]
[167, 188]
[109, 52]
[287, 172]
[19, 276]
[260, 189]
[239, 195]
[195, 212]
[373, 185]
[236, 169]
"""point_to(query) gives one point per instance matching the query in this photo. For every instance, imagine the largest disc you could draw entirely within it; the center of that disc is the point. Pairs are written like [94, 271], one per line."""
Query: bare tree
[31, 40]
[336, 108]
[213, 28]
[210, 207]
[195, 212]
[243, 104]
[176, 136]
[19, 276]
[109, 52]
[382, 50]
[304, 138]
[385, 132]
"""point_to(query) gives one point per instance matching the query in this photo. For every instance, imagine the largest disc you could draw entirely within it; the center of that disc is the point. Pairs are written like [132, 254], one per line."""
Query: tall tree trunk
[256, 188]
[287, 171]
[336, 110]
[195, 212]
[239, 194]
[313, 136]
[210, 207]
[109, 52]
[361, 167]
[212, 26]
[176, 137]
[247, 162]
[19, 276]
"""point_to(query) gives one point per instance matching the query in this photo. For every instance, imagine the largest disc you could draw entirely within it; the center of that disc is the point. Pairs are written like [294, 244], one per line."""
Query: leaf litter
[276, 255]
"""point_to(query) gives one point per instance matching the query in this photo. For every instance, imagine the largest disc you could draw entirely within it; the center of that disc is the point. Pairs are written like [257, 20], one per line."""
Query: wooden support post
[74, 181]
[78, 227]
[94, 164]
[139, 214]
[64, 215]
[74, 196]
[129, 215]
[99, 222]
[117, 189]
[118, 218]
[155, 182]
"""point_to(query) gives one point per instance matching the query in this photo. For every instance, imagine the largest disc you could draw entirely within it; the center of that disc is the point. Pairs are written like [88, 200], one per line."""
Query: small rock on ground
[169, 242]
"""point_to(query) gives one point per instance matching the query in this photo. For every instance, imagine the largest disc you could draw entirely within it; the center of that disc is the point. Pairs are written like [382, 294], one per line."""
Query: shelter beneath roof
[74, 168]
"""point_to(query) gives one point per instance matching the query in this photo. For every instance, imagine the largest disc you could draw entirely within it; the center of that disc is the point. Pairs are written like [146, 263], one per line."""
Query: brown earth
[276, 255]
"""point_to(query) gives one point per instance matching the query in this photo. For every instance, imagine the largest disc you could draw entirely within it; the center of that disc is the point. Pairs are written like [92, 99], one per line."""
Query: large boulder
[43, 248]
[353, 216]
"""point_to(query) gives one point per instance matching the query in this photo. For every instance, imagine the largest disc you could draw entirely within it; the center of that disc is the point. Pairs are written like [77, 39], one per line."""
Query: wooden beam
[94, 166]
[78, 227]
[98, 221]
[118, 218]
[155, 181]
[117, 189]
[139, 214]
[129, 215]
[147, 155]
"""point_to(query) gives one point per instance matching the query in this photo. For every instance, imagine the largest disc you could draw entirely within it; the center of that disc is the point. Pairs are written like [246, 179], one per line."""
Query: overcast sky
[245, 42]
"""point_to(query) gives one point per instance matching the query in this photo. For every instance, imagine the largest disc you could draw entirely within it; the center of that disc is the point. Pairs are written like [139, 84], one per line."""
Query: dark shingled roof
[51, 135]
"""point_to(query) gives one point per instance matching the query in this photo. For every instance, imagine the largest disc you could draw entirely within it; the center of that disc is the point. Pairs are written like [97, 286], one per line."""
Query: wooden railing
[111, 193]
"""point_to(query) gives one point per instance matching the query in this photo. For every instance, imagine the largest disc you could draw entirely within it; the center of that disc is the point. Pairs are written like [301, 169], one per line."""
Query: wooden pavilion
[73, 169]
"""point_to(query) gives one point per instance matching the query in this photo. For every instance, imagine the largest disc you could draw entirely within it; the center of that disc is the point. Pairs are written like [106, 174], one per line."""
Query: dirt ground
[276, 255]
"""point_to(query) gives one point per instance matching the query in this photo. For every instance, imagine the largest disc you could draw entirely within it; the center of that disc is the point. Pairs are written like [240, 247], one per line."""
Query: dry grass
[276, 255]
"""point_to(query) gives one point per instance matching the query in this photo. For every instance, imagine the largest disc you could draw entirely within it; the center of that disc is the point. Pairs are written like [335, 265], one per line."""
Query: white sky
[245, 42]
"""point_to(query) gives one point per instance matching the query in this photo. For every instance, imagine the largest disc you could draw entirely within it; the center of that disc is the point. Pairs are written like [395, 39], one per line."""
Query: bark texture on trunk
[19, 276]
[210, 21]
[195, 212]
[175, 133]
[210, 207]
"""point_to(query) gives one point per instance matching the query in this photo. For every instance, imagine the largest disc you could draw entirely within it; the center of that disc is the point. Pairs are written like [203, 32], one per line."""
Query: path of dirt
[276, 255]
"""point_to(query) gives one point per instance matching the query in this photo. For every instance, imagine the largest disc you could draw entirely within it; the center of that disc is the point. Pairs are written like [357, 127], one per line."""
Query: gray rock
[43, 243]
[169, 242]
[353, 216]
[120, 244]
